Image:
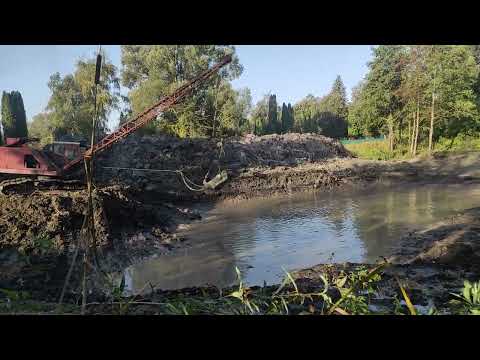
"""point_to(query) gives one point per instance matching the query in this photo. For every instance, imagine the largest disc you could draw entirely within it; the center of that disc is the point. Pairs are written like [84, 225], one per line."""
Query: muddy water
[262, 236]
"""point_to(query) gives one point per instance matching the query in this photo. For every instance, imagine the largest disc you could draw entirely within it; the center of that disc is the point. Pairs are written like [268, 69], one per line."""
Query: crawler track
[28, 185]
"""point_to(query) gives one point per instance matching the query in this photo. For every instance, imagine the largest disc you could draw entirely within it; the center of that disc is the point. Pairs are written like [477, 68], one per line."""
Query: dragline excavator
[23, 167]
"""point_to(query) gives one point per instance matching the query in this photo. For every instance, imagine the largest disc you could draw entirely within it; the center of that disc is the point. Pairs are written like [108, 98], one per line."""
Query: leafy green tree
[258, 119]
[326, 115]
[40, 127]
[285, 118]
[336, 101]
[151, 72]
[19, 114]
[425, 92]
[305, 113]
[273, 125]
[8, 120]
[357, 112]
[291, 117]
[14, 120]
[456, 100]
[71, 104]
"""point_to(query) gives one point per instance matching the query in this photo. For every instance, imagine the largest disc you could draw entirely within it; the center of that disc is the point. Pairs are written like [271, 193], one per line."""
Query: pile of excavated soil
[58, 216]
[39, 231]
[202, 159]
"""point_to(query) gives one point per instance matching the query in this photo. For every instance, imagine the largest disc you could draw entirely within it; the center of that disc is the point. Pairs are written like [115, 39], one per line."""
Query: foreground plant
[469, 300]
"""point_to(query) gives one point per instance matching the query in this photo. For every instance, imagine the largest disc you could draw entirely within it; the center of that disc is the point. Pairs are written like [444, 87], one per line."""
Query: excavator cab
[16, 157]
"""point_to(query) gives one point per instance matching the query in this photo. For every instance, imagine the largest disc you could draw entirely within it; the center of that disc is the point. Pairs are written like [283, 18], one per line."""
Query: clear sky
[289, 71]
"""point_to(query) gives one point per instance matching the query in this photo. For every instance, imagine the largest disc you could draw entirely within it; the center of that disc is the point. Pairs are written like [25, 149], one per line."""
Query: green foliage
[371, 150]
[326, 115]
[403, 80]
[43, 244]
[461, 142]
[377, 149]
[273, 125]
[151, 72]
[469, 299]
[71, 105]
[259, 116]
[40, 127]
[336, 101]
[8, 121]
[14, 120]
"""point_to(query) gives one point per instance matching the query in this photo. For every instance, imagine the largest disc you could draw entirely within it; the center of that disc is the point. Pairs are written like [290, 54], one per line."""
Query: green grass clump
[378, 149]
[372, 150]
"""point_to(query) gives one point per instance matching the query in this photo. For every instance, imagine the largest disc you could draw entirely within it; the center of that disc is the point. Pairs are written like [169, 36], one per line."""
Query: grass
[378, 149]
[342, 293]
[373, 150]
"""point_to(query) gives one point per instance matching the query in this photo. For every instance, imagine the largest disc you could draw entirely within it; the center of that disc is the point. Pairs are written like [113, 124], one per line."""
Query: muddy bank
[454, 241]
[40, 232]
[134, 218]
[201, 159]
[428, 277]
[58, 215]
[264, 166]
[430, 264]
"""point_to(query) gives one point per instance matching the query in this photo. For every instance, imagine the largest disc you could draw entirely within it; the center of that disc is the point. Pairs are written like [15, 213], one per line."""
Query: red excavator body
[16, 157]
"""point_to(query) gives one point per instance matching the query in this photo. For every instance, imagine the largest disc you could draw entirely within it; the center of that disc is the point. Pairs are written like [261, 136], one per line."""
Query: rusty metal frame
[150, 114]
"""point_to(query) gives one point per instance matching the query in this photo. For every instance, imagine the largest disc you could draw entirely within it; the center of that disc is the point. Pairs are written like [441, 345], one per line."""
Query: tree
[258, 119]
[8, 120]
[71, 104]
[151, 72]
[456, 101]
[14, 120]
[40, 127]
[326, 115]
[273, 125]
[285, 118]
[305, 113]
[336, 101]
[430, 91]
[19, 114]
[291, 117]
[358, 111]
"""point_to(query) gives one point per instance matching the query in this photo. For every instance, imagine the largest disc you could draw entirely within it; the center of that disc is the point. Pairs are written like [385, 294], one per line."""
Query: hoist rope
[189, 184]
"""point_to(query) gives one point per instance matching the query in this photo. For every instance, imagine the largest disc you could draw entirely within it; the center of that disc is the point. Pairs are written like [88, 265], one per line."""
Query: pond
[262, 236]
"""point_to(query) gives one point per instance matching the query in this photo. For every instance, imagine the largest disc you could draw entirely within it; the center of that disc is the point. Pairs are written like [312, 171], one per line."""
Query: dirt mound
[202, 159]
[53, 218]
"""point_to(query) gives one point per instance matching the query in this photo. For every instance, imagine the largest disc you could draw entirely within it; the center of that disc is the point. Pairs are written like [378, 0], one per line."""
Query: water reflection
[262, 236]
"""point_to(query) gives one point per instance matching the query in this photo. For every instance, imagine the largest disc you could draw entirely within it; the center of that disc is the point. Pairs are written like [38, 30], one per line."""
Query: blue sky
[289, 71]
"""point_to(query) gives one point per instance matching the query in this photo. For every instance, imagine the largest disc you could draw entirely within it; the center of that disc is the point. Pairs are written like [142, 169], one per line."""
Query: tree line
[418, 94]
[413, 94]
[326, 115]
[150, 72]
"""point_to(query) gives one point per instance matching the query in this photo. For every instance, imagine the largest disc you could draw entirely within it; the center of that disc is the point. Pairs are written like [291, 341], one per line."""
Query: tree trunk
[432, 117]
[416, 129]
[409, 134]
[400, 131]
[390, 134]
[412, 136]
[215, 111]
[430, 135]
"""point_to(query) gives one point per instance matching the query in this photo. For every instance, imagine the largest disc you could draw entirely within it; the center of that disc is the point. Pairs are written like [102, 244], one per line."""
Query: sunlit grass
[378, 149]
